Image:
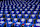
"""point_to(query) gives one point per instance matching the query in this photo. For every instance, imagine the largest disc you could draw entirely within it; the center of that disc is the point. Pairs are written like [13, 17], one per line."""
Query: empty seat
[23, 12]
[6, 12]
[39, 16]
[2, 23]
[33, 16]
[13, 15]
[9, 24]
[30, 21]
[31, 9]
[6, 9]
[18, 24]
[1, 12]
[22, 21]
[35, 12]
[12, 12]
[10, 9]
[28, 12]
[15, 20]
[17, 12]
[16, 9]
[36, 9]
[1, 19]
[39, 12]
[27, 24]
[38, 21]
[19, 16]
[7, 15]
[21, 9]
[1, 15]
[26, 9]
[8, 19]
[26, 16]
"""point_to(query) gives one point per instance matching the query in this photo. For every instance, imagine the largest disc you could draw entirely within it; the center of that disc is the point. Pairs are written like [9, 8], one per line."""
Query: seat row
[18, 6]
[20, 12]
[33, 16]
[15, 22]
[22, 20]
[21, 2]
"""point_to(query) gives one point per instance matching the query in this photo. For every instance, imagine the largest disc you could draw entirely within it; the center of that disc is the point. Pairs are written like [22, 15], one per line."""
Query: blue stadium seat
[2, 22]
[9, 24]
[8, 20]
[13, 15]
[6, 12]
[7, 15]
[30, 21]
[1, 15]
[12, 12]
[19, 16]
[35, 12]
[26, 16]
[28, 12]
[10, 9]
[33, 16]
[37, 9]
[38, 21]
[27, 24]
[21, 9]
[16, 9]
[2, 19]
[15, 20]
[23, 12]
[22, 21]
[1, 12]
[39, 12]
[39, 16]
[37, 25]
[26, 9]
[17, 12]
[18, 24]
